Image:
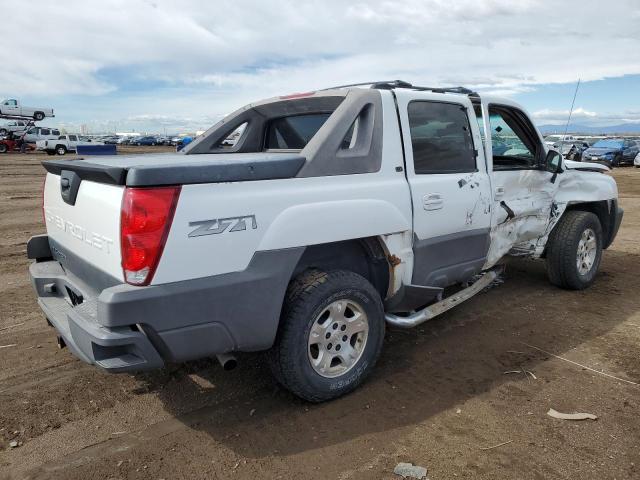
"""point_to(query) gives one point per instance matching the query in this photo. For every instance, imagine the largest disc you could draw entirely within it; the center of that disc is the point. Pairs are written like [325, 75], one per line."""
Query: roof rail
[391, 84]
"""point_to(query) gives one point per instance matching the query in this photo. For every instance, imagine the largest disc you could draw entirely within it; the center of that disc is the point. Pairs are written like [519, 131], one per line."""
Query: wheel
[3, 131]
[61, 150]
[38, 116]
[153, 144]
[330, 336]
[616, 161]
[3, 148]
[574, 250]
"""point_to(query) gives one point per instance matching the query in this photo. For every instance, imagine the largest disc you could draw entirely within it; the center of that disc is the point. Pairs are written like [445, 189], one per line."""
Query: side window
[441, 138]
[513, 141]
[55, 132]
[73, 138]
[233, 137]
[294, 132]
[45, 131]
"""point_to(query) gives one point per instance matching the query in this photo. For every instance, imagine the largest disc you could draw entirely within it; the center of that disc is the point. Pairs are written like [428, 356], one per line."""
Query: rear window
[293, 132]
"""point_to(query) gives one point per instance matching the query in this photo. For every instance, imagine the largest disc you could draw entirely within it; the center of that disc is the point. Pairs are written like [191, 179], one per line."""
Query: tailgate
[88, 228]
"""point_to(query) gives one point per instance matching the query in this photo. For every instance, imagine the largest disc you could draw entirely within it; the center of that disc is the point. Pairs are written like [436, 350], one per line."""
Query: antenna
[566, 128]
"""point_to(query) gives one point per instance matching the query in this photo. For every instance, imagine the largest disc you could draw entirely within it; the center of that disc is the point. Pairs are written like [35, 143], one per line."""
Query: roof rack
[391, 84]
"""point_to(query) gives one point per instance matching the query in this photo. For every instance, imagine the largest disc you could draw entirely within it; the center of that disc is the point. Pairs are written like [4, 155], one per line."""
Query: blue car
[611, 151]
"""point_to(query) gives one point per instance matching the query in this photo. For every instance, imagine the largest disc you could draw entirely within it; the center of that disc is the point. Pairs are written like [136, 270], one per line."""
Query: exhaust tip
[227, 361]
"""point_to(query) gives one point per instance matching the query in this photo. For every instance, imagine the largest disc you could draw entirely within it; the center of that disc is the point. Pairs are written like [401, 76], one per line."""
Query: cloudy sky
[151, 65]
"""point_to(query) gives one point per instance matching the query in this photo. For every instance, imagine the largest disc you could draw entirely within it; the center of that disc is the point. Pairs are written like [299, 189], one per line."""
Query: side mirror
[553, 164]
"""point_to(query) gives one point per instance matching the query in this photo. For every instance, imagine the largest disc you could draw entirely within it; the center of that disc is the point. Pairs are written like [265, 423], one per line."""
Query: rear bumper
[119, 327]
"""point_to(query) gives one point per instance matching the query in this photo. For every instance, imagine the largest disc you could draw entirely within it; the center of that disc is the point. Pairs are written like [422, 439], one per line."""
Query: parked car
[41, 133]
[310, 234]
[611, 151]
[16, 126]
[636, 161]
[146, 141]
[11, 144]
[111, 140]
[62, 144]
[13, 107]
[560, 143]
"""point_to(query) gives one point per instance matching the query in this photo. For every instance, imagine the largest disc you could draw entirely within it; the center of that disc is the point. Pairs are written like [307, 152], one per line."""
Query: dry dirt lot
[438, 398]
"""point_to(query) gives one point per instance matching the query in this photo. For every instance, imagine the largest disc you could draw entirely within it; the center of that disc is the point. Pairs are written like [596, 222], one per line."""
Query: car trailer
[8, 145]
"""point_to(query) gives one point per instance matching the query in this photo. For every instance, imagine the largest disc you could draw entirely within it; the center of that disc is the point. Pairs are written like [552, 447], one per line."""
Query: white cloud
[210, 57]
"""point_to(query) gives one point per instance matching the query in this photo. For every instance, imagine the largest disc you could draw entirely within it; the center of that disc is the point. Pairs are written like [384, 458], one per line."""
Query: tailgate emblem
[220, 225]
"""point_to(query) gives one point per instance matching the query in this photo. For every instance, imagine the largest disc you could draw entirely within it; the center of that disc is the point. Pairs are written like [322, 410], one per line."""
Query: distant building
[84, 129]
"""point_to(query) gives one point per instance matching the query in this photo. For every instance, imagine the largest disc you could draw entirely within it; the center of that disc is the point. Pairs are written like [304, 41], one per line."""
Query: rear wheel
[38, 116]
[574, 250]
[3, 148]
[3, 131]
[616, 161]
[330, 336]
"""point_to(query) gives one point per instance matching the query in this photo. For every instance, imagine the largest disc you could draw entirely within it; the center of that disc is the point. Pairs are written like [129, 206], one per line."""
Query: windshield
[608, 144]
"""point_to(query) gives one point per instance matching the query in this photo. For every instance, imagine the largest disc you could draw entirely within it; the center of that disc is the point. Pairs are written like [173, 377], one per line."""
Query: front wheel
[61, 150]
[574, 250]
[3, 148]
[330, 337]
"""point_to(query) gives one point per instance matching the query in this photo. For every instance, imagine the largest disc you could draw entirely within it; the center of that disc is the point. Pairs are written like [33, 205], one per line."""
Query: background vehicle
[636, 161]
[41, 133]
[146, 141]
[62, 144]
[12, 145]
[15, 126]
[14, 107]
[334, 213]
[611, 151]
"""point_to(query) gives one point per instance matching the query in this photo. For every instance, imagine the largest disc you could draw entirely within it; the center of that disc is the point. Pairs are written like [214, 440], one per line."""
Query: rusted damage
[394, 260]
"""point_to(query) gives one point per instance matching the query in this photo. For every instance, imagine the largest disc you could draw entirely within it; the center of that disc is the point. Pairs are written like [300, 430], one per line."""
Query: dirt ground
[438, 398]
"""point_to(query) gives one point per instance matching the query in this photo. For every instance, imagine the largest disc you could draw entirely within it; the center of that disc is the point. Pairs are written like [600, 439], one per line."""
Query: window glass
[508, 143]
[233, 137]
[440, 138]
[294, 132]
[73, 138]
[55, 132]
[45, 131]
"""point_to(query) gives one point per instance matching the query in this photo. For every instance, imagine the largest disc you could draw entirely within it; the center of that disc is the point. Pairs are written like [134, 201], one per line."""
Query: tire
[3, 131]
[616, 161]
[573, 239]
[3, 148]
[324, 303]
[38, 116]
[61, 150]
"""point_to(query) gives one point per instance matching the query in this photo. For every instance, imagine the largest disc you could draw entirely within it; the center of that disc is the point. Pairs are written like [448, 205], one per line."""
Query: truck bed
[177, 168]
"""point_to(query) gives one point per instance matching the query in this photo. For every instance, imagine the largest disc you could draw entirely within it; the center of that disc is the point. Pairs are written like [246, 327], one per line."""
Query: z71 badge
[221, 225]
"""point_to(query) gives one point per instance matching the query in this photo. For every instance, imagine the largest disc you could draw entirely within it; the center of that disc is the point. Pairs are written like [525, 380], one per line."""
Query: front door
[523, 191]
[450, 187]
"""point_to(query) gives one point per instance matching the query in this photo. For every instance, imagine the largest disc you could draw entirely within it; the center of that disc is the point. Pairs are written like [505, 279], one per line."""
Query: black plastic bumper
[120, 327]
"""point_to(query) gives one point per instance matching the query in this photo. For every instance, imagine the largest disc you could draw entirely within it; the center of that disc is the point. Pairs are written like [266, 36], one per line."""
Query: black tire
[38, 116]
[3, 148]
[616, 160]
[61, 150]
[562, 250]
[307, 298]
[3, 132]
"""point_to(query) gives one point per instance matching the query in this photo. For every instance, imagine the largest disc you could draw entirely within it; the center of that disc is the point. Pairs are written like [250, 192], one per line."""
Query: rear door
[449, 184]
[73, 142]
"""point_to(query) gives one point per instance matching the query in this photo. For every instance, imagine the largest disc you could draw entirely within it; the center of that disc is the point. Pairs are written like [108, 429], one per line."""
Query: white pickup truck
[12, 107]
[62, 145]
[333, 213]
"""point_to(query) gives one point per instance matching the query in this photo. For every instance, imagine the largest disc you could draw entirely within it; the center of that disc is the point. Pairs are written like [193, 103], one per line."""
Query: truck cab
[330, 215]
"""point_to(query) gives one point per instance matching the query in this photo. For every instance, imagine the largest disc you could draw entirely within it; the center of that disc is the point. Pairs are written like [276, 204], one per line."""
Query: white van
[41, 133]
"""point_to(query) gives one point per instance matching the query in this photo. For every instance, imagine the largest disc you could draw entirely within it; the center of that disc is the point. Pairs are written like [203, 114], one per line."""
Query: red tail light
[145, 220]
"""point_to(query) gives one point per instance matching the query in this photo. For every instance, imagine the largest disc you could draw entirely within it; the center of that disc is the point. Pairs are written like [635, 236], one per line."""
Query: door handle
[432, 201]
[498, 192]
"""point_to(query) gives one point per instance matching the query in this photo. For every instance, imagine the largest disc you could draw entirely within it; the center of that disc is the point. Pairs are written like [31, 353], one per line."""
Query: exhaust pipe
[227, 361]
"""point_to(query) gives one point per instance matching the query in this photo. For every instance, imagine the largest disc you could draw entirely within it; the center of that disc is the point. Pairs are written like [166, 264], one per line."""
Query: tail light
[145, 220]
